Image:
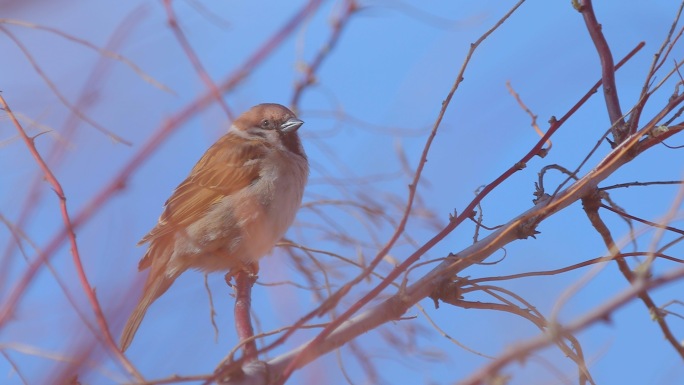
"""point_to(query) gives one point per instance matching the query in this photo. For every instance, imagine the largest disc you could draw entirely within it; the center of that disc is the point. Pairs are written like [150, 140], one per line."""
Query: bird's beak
[290, 125]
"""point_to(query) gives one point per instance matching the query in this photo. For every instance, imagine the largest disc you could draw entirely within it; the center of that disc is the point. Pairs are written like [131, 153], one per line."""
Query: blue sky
[391, 69]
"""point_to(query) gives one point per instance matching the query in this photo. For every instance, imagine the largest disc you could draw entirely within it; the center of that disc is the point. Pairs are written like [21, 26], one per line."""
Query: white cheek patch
[238, 132]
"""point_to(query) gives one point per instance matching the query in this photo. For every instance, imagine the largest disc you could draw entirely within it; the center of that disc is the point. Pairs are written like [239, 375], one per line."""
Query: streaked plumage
[237, 202]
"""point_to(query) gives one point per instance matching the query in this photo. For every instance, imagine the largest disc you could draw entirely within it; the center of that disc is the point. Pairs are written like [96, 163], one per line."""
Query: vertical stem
[244, 280]
[607, 71]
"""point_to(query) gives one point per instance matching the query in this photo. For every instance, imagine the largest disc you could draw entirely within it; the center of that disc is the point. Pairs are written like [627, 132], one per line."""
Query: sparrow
[237, 202]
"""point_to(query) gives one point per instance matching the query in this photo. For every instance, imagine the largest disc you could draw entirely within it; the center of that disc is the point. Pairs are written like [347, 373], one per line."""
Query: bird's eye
[266, 124]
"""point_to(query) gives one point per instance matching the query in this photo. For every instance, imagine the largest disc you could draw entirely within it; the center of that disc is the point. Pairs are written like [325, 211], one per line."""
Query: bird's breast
[272, 204]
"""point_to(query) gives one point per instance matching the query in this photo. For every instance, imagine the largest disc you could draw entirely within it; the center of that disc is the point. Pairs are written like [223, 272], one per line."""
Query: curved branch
[599, 314]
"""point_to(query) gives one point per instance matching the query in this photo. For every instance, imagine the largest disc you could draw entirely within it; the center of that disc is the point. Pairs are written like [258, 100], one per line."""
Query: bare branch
[599, 314]
[69, 229]
[607, 71]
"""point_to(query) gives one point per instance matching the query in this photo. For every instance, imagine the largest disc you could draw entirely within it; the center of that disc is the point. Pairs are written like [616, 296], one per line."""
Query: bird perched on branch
[237, 202]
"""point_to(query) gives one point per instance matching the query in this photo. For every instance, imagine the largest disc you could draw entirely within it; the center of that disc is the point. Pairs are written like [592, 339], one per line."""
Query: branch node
[539, 195]
[528, 228]
[658, 130]
[578, 7]
[448, 291]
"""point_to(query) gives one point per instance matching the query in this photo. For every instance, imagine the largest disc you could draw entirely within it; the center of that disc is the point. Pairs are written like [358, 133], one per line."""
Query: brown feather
[220, 172]
[153, 290]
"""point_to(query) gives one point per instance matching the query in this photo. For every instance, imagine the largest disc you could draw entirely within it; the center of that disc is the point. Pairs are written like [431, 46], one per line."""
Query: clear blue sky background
[392, 68]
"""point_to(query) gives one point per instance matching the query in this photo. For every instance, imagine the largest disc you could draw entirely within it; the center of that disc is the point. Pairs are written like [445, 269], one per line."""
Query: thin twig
[69, 228]
[520, 227]
[599, 314]
[529, 112]
[658, 60]
[304, 354]
[108, 52]
[118, 182]
[310, 69]
[591, 204]
[194, 59]
[53, 87]
[644, 221]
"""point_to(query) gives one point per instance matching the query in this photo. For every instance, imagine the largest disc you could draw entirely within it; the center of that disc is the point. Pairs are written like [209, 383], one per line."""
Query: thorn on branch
[453, 216]
[33, 138]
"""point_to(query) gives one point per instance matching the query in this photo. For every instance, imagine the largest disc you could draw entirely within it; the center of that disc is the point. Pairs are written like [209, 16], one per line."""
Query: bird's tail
[157, 284]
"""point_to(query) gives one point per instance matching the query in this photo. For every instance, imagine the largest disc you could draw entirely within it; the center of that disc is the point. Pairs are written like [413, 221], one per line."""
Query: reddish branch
[607, 71]
[14, 366]
[71, 234]
[194, 59]
[336, 334]
[244, 280]
[168, 127]
[308, 351]
[86, 98]
[529, 312]
[310, 70]
[62, 98]
[644, 221]
[338, 295]
[658, 60]
[576, 266]
[591, 204]
[345, 328]
[317, 346]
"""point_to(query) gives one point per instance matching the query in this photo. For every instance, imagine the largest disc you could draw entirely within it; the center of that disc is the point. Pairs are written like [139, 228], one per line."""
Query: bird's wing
[228, 166]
